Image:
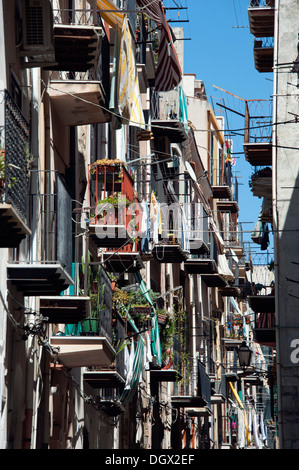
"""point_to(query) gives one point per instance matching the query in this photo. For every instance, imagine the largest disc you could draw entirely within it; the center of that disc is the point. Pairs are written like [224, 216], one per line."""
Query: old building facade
[125, 289]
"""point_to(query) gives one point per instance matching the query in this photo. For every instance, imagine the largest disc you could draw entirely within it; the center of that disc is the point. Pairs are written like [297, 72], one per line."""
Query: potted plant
[116, 201]
[90, 325]
[138, 303]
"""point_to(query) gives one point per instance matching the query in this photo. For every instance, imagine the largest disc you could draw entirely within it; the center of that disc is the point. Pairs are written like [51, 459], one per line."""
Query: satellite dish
[191, 171]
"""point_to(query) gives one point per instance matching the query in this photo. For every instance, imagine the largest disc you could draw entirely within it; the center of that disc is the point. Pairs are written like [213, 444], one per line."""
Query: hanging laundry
[154, 218]
[255, 430]
[257, 233]
[148, 358]
[265, 237]
[262, 426]
[228, 152]
[144, 227]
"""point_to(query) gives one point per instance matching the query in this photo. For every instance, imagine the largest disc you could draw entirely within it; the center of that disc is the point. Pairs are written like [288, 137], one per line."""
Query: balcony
[261, 18]
[65, 309]
[79, 80]
[169, 252]
[199, 403]
[78, 102]
[172, 245]
[222, 192]
[258, 132]
[218, 388]
[77, 38]
[87, 342]
[228, 206]
[111, 198]
[263, 51]
[82, 351]
[51, 272]
[167, 117]
[14, 175]
[262, 303]
[201, 265]
[264, 329]
[261, 183]
[109, 382]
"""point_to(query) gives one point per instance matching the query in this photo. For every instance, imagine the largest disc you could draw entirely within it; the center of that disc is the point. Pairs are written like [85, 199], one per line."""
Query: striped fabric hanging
[151, 8]
[169, 73]
[129, 98]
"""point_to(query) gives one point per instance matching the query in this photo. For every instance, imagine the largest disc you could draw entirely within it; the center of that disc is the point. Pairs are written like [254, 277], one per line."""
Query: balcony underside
[264, 336]
[238, 249]
[222, 192]
[167, 375]
[13, 228]
[120, 262]
[111, 406]
[76, 47]
[200, 266]
[83, 351]
[258, 153]
[262, 303]
[217, 399]
[109, 236]
[171, 128]
[214, 280]
[199, 411]
[104, 379]
[198, 246]
[230, 291]
[263, 59]
[39, 278]
[169, 253]
[262, 186]
[79, 102]
[261, 21]
[66, 309]
[188, 401]
[228, 206]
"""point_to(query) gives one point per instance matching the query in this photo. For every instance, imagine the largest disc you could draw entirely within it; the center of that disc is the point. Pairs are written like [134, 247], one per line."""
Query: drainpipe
[193, 340]
[275, 211]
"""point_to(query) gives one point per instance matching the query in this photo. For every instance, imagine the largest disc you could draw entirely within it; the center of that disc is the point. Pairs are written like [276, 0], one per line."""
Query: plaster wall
[287, 268]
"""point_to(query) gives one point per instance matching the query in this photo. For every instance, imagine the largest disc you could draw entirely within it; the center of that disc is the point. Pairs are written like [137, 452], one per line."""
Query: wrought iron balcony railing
[14, 159]
[258, 121]
[50, 198]
[261, 3]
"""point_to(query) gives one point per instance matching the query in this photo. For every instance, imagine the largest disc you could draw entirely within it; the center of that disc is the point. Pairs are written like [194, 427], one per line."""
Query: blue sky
[220, 53]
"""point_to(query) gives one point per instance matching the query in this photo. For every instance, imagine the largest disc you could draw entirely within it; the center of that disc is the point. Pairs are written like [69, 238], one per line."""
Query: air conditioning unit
[37, 36]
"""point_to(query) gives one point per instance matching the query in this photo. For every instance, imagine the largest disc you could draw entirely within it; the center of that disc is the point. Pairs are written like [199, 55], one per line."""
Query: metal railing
[165, 107]
[261, 3]
[88, 16]
[258, 121]
[15, 147]
[51, 202]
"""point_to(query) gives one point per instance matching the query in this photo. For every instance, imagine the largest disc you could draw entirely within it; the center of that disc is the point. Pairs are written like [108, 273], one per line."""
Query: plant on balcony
[95, 291]
[116, 200]
[110, 163]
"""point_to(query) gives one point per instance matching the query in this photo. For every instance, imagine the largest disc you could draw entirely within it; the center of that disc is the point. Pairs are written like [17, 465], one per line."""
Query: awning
[110, 13]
